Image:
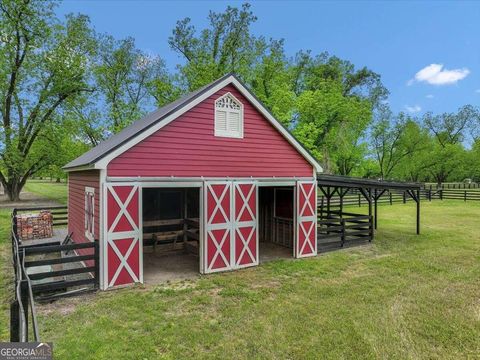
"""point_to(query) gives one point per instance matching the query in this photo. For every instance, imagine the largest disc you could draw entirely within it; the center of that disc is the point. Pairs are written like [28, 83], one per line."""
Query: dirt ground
[27, 200]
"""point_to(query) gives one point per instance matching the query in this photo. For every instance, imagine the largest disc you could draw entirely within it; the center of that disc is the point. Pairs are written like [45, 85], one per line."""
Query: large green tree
[124, 76]
[225, 46]
[44, 65]
[451, 131]
[335, 104]
[393, 140]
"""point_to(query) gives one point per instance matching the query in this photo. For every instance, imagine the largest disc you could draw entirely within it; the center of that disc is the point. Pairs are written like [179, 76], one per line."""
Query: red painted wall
[77, 181]
[188, 147]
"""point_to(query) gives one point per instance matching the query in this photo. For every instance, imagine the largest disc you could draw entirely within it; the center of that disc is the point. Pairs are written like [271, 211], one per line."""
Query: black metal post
[375, 209]
[418, 212]
[97, 263]
[24, 299]
[341, 193]
[328, 201]
[14, 321]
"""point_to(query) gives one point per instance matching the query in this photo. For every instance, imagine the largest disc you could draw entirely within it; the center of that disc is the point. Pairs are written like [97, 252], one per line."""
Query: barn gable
[191, 146]
[101, 156]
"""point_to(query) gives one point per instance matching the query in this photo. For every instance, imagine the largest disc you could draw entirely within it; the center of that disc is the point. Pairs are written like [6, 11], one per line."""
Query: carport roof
[347, 181]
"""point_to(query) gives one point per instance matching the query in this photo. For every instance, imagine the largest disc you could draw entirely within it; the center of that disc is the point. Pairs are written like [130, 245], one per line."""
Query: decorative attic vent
[228, 117]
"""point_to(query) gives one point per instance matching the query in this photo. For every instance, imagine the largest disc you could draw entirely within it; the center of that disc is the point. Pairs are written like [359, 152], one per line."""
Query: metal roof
[346, 181]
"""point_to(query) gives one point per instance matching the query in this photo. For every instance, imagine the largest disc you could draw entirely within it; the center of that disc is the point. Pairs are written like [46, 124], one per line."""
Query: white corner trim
[102, 163]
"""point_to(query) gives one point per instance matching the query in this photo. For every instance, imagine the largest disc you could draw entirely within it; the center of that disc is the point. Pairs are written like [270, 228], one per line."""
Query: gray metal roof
[113, 142]
[353, 182]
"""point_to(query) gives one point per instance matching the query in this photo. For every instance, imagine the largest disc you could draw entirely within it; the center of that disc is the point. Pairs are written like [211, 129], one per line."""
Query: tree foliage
[66, 88]
[44, 63]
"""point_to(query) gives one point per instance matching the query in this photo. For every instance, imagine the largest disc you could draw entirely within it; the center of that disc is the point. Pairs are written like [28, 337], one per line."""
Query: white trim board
[103, 162]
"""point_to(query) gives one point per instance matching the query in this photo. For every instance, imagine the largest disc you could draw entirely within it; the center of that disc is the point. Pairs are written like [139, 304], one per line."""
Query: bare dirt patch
[27, 199]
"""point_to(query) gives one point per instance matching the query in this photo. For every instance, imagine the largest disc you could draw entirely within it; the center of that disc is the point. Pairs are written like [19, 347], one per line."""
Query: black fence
[451, 194]
[472, 185]
[338, 229]
[59, 269]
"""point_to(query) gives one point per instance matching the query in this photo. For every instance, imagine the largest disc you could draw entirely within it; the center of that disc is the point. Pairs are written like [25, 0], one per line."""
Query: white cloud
[413, 109]
[436, 74]
[429, 96]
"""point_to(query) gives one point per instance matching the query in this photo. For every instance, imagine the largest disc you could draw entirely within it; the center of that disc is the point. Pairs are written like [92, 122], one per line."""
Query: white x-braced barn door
[123, 249]
[245, 224]
[306, 227]
[217, 251]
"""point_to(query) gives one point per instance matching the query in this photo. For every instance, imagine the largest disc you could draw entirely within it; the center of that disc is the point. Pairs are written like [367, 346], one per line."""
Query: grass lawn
[48, 189]
[405, 296]
[6, 275]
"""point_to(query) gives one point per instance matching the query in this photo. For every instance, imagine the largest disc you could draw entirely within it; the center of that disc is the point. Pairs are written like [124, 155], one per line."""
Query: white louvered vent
[228, 117]
[221, 124]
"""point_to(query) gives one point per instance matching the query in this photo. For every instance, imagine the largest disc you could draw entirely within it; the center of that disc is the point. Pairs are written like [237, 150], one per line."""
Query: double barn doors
[231, 226]
[231, 232]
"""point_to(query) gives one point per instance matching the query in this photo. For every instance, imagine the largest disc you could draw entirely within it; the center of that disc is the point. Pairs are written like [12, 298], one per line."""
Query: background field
[405, 296]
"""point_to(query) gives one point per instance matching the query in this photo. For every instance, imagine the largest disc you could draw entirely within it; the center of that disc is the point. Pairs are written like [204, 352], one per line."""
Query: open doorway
[171, 233]
[276, 222]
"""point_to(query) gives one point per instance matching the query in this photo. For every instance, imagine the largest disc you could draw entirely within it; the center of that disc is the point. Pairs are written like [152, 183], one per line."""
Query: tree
[453, 128]
[416, 164]
[392, 141]
[124, 77]
[225, 46]
[329, 124]
[474, 161]
[335, 103]
[44, 63]
[450, 131]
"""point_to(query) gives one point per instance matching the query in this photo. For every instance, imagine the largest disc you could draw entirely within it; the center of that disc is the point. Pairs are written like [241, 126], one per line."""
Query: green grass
[404, 297]
[47, 189]
[6, 274]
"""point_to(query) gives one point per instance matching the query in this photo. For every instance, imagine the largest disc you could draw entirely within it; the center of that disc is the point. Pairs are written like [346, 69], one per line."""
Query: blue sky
[428, 53]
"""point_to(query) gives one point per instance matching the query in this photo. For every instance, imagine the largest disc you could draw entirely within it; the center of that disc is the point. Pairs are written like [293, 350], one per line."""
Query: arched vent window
[228, 117]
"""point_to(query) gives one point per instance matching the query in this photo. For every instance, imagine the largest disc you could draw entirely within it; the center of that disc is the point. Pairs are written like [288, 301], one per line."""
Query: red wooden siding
[77, 181]
[188, 147]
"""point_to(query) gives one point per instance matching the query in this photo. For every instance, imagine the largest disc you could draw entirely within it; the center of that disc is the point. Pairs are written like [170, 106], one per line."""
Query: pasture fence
[47, 271]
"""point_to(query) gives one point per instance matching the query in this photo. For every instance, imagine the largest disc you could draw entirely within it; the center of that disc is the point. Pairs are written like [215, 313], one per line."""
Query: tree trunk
[58, 180]
[13, 190]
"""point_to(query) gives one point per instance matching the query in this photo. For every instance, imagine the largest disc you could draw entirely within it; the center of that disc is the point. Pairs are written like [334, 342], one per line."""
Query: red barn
[212, 174]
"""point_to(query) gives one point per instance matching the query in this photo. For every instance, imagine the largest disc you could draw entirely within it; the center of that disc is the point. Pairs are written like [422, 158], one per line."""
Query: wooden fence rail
[339, 229]
[29, 284]
[452, 186]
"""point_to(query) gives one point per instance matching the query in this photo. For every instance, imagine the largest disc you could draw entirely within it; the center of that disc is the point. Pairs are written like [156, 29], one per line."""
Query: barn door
[123, 246]
[217, 252]
[306, 226]
[245, 224]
